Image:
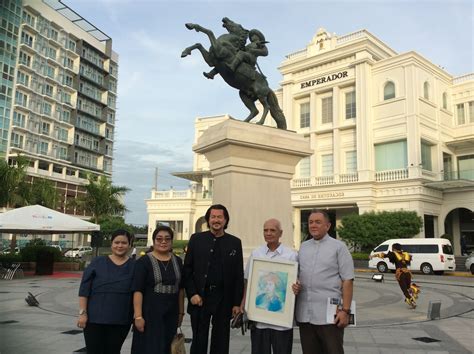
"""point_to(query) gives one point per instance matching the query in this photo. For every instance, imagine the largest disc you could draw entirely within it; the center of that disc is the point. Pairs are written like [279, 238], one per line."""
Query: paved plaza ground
[384, 323]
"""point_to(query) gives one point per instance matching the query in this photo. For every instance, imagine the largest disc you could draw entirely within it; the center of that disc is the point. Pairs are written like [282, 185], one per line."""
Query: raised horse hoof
[185, 53]
[210, 77]
[190, 26]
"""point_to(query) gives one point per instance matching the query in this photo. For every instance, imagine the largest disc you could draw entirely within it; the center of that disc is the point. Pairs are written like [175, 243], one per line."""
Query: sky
[161, 94]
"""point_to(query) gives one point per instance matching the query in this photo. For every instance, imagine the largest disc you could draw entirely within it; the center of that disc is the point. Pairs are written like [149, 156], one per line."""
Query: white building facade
[389, 132]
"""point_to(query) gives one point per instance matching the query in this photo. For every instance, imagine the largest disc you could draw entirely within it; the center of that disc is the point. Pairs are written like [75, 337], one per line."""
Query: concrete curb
[452, 274]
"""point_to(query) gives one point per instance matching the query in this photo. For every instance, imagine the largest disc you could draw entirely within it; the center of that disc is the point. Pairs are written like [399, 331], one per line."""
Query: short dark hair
[322, 212]
[397, 246]
[162, 228]
[122, 232]
[217, 207]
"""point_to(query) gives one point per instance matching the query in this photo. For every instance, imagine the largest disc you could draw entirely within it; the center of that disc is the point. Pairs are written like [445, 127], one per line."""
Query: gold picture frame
[269, 297]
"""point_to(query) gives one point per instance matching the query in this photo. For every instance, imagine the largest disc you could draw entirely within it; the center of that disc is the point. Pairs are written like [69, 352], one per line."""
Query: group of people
[117, 291]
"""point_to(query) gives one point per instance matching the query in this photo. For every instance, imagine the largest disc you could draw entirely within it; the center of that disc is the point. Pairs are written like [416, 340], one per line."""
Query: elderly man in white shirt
[326, 270]
[267, 338]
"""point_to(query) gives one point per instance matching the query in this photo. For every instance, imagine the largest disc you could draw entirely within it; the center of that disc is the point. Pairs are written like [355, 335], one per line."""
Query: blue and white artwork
[271, 291]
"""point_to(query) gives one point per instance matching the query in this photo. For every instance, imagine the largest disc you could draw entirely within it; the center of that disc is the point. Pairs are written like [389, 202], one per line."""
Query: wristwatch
[348, 311]
[82, 312]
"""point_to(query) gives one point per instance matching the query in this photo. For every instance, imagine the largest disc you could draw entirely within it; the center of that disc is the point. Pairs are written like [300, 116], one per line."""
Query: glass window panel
[391, 156]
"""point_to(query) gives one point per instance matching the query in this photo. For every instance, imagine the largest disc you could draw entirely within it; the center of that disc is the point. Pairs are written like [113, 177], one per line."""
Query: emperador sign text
[324, 79]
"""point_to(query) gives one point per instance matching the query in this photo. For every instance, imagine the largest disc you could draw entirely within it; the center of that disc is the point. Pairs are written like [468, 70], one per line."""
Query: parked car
[78, 252]
[470, 263]
[7, 250]
[57, 246]
[429, 255]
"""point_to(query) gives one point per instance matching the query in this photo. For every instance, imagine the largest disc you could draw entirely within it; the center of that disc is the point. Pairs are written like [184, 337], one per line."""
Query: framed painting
[269, 297]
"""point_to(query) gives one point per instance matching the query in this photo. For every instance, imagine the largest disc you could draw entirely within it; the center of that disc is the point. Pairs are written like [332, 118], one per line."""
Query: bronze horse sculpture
[235, 62]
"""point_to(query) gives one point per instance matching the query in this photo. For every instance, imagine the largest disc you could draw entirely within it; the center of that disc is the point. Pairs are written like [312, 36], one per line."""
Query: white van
[428, 255]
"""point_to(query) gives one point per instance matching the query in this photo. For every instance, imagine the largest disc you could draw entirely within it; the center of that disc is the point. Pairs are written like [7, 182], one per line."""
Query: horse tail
[276, 111]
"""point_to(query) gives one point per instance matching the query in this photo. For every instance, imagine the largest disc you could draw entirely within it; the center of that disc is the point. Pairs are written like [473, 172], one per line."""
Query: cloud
[134, 167]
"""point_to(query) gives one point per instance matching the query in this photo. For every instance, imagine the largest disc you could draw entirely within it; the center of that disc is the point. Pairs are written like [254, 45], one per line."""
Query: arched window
[445, 100]
[389, 90]
[426, 90]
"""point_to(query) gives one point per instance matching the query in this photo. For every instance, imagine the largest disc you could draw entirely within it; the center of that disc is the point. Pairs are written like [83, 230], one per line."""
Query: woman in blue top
[105, 298]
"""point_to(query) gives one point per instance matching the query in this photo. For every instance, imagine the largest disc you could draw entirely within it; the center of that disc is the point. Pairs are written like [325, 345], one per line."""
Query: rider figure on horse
[248, 54]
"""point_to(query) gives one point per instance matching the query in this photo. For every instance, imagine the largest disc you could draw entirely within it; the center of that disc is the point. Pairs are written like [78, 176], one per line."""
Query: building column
[365, 144]
[456, 233]
[296, 228]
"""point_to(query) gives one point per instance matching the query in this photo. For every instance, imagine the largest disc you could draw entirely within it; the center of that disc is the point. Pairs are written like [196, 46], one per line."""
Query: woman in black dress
[105, 298]
[158, 298]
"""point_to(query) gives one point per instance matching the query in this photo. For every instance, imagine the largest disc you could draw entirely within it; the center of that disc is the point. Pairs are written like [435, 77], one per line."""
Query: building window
[460, 113]
[471, 111]
[62, 134]
[21, 99]
[327, 166]
[304, 115]
[43, 147]
[17, 140]
[71, 45]
[326, 110]
[19, 119]
[67, 80]
[305, 167]
[53, 34]
[350, 105]
[391, 156]
[27, 39]
[23, 78]
[351, 162]
[426, 156]
[389, 91]
[445, 100]
[47, 109]
[24, 59]
[45, 128]
[426, 90]
[466, 167]
[48, 90]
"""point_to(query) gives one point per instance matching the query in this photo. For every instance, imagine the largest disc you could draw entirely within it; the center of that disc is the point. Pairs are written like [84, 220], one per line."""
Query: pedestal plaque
[252, 166]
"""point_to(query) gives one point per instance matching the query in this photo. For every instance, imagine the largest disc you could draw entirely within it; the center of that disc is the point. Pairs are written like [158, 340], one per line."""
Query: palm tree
[102, 198]
[43, 192]
[13, 184]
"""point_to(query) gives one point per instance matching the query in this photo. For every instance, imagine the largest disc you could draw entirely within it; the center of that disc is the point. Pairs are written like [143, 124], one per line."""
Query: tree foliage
[370, 229]
[17, 191]
[13, 182]
[111, 223]
[102, 199]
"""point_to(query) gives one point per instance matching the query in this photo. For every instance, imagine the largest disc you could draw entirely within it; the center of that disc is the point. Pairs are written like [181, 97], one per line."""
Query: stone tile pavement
[384, 325]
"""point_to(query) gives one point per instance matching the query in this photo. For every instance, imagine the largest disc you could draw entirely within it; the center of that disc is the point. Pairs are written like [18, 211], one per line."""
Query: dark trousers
[268, 341]
[404, 280]
[321, 339]
[105, 339]
[201, 318]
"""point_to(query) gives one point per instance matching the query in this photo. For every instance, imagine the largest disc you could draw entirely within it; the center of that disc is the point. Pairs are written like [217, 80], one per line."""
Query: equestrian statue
[236, 62]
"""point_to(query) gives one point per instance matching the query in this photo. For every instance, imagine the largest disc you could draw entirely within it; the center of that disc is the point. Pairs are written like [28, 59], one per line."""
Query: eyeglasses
[161, 240]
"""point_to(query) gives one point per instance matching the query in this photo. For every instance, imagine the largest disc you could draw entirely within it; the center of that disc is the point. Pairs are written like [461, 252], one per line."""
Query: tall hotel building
[389, 132]
[58, 94]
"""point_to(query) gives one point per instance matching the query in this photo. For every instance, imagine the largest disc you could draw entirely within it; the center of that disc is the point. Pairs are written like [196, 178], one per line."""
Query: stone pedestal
[252, 166]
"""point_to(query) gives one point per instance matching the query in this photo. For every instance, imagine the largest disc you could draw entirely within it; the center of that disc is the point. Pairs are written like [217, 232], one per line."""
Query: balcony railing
[391, 175]
[456, 175]
[324, 180]
[181, 194]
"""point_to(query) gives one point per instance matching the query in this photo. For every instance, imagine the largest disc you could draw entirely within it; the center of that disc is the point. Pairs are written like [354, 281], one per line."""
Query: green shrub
[368, 230]
[360, 256]
[179, 245]
[7, 259]
[29, 253]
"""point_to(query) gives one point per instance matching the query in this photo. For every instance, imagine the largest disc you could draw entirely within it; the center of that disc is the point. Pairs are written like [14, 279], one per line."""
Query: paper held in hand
[331, 309]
